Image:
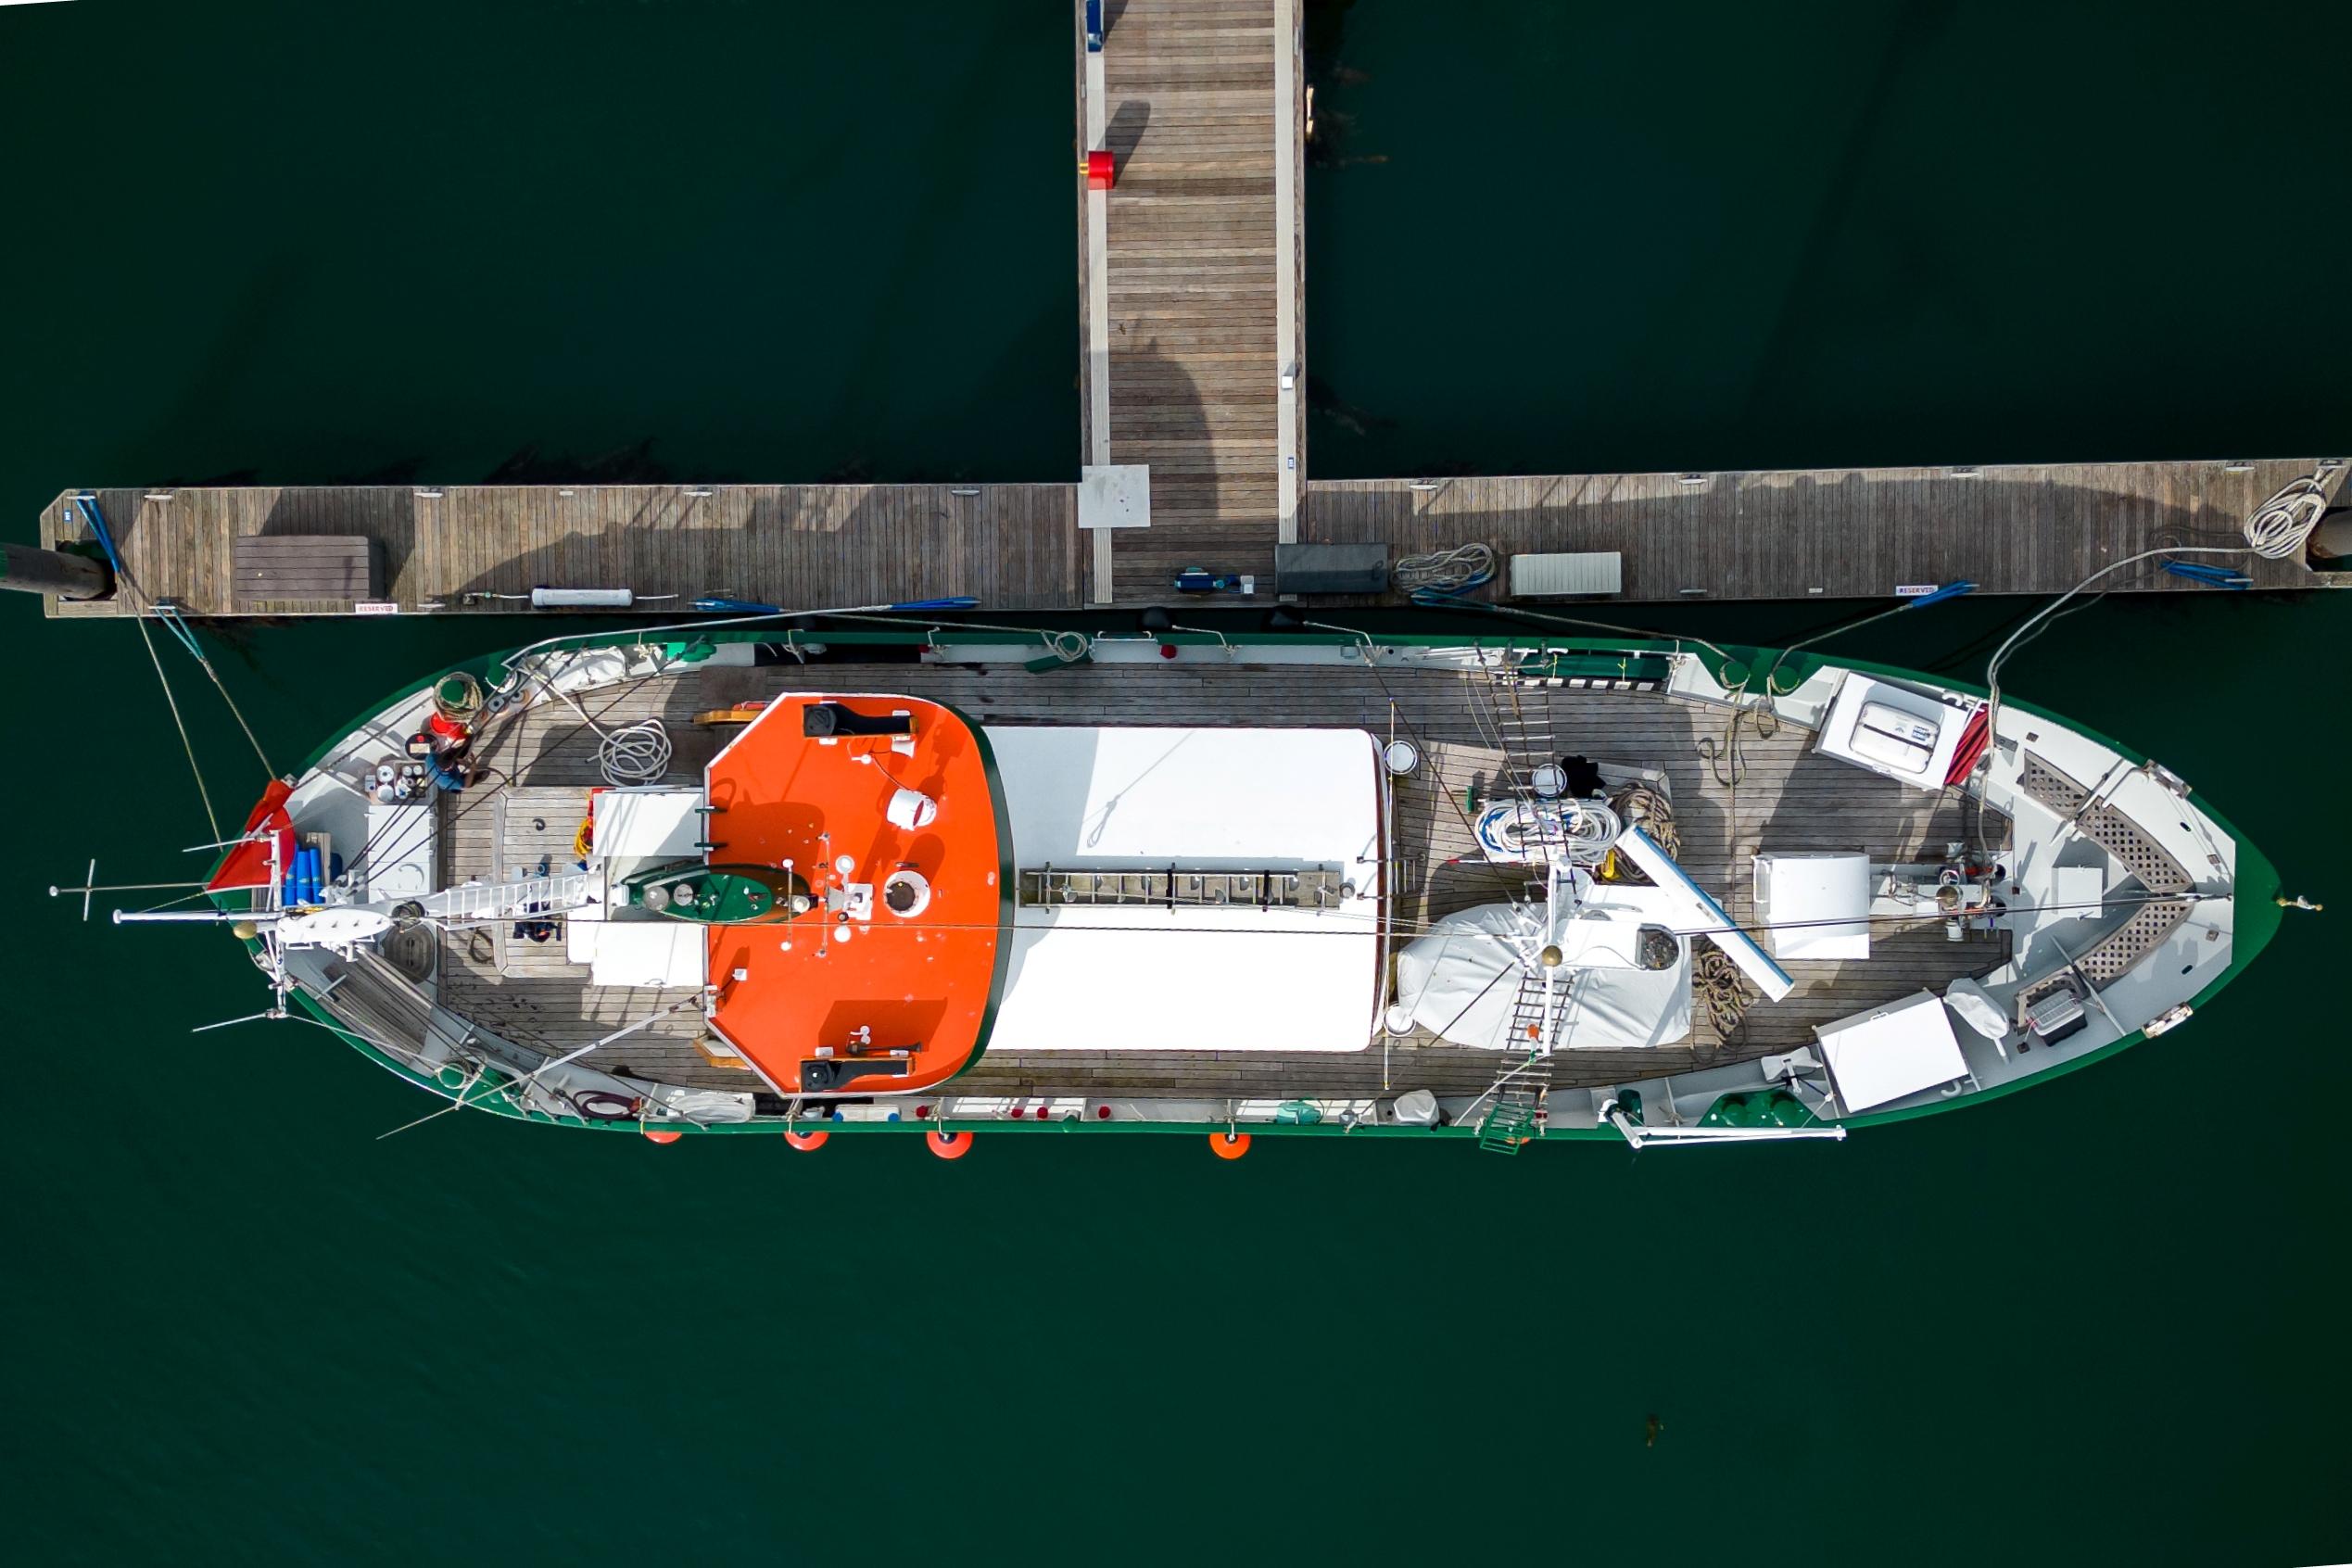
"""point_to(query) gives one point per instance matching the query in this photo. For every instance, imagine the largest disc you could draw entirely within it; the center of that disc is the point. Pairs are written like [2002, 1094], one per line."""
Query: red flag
[249, 864]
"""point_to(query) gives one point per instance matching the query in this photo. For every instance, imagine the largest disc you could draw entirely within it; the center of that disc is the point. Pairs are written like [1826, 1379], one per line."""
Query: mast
[29, 569]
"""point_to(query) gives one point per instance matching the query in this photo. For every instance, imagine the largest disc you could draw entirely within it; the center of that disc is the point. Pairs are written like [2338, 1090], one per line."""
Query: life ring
[948, 1145]
[807, 1143]
[1229, 1146]
[664, 1134]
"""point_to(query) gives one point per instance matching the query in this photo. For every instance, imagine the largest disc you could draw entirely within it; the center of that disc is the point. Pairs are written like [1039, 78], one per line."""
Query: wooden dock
[1192, 367]
[1829, 534]
[1192, 321]
[1012, 547]
[1837, 533]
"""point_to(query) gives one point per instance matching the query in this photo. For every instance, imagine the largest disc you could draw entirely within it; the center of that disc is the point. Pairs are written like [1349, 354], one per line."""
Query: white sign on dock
[1115, 495]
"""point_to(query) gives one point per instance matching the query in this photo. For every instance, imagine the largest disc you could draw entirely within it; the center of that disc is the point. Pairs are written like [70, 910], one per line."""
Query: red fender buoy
[664, 1135]
[807, 1143]
[948, 1145]
[1229, 1146]
[1101, 170]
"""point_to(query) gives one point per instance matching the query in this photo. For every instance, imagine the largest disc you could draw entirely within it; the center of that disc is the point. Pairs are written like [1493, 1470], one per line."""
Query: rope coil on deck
[635, 753]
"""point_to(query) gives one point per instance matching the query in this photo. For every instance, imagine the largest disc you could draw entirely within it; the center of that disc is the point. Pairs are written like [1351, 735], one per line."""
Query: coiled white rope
[1446, 571]
[2282, 525]
[635, 753]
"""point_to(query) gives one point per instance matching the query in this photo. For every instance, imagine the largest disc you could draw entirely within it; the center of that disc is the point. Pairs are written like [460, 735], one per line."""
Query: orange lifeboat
[887, 809]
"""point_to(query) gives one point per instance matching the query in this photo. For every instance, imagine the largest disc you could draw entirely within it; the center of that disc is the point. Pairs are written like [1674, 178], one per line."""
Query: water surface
[2093, 1322]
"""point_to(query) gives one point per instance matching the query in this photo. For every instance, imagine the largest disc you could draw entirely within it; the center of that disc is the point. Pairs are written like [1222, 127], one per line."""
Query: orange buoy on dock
[948, 1145]
[664, 1134]
[1229, 1146]
[1101, 170]
[807, 1143]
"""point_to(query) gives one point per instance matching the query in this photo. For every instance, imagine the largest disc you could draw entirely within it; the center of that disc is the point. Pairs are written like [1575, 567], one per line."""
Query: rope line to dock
[180, 723]
[147, 605]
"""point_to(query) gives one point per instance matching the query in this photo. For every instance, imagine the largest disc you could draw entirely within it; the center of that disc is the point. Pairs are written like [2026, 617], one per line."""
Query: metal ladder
[1523, 734]
[1511, 1121]
[505, 901]
[1534, 1014]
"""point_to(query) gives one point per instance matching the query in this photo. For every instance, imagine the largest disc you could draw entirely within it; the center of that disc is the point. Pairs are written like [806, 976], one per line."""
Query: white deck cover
[1815, 905]
[1093, 979]
[657, 822]
[1891, 1051]
[633, 831]
[663, 952]
[1840, 739]
[1462, 980]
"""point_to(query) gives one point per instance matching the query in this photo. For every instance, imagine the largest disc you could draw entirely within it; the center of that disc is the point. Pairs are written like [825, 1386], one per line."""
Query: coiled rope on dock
[2282, 525]
[1446, 574]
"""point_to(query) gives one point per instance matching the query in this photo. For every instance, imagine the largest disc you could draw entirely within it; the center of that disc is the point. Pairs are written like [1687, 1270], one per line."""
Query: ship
[755, 874]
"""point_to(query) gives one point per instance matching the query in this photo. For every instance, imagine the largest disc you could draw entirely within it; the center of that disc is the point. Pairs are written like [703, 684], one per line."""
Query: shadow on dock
[1824, 533]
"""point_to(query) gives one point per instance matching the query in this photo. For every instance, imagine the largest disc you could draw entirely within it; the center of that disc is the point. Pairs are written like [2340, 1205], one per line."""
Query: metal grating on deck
[2107, 826]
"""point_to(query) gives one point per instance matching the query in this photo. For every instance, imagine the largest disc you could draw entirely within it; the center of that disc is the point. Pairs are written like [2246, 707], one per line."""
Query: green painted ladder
[1509, 1123]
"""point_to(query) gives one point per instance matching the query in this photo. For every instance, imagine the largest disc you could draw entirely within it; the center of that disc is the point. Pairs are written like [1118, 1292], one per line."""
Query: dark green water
[2097, 1322]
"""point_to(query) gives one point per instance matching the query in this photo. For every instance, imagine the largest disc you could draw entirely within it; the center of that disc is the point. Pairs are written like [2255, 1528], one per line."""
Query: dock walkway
[1012, 547]
[1837, 533]
[1192, 367]
[1829, 534]
[1189, 270]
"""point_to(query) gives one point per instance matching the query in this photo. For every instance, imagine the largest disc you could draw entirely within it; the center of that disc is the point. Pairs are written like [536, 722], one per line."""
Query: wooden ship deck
[540, 767]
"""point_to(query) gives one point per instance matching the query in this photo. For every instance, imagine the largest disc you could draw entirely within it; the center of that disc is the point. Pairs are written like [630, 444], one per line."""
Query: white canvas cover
[1461, 980]
[1891, 1051]
[658, 951]
[1097, 978]
[1815, 905]
[633, 831]
[663, 824]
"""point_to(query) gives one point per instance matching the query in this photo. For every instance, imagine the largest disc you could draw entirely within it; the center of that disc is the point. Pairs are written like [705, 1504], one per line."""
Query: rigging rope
[1639, 805]
[144, 605]
[1721, 987]
[180, 725]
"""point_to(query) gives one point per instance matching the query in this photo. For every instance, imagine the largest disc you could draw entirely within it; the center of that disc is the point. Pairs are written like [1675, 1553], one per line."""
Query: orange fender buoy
[1229, 1146]
[807, 1143]
[948, 1145]
[664, 1135]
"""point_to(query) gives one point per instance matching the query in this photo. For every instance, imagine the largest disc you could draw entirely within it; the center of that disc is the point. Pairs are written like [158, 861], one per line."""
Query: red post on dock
[1101, 170]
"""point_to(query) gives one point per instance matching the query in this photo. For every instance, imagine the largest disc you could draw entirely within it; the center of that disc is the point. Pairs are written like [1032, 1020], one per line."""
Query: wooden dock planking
[1835, 532]
[805, 546]
[1201, 109]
